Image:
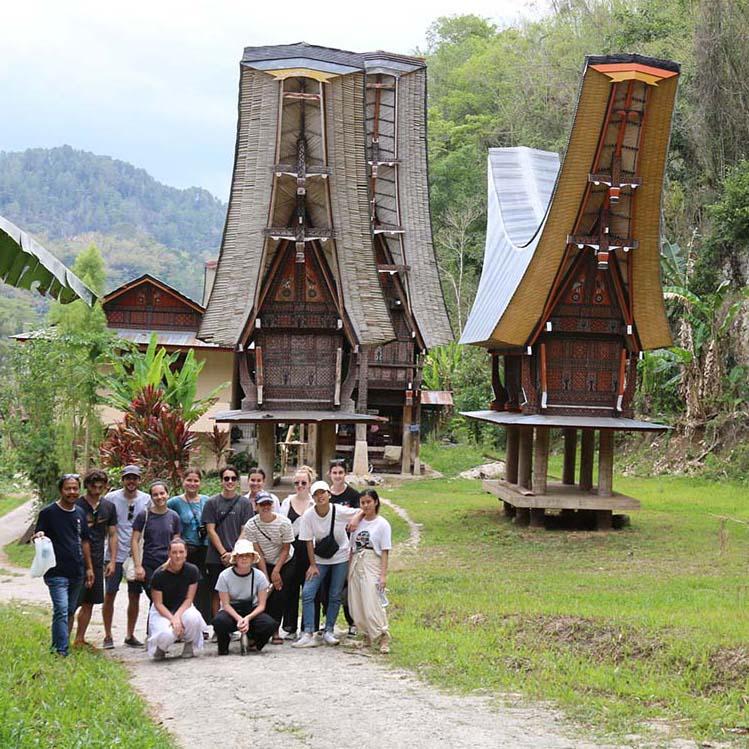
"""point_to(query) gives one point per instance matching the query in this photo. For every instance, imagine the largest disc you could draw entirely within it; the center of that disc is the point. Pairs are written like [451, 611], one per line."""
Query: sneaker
[352, 631]
[290, 635]
[330, 639]
[108, 644]
[133, 642]
[306, 641]
[187, 650]
[159, 655]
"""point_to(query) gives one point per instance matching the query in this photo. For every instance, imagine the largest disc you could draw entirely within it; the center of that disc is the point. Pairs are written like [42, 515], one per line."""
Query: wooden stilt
[570, 450]
[406, 442]
[540, 461]
[604, 520]
[511, 457]
[416, 442]
[311, 451]
[509, 509]
[361, 452]
[326, 436]
[587, 446]
[537, 517]
[522, 516]
[525, 457]
[605, 462]
[266, 448]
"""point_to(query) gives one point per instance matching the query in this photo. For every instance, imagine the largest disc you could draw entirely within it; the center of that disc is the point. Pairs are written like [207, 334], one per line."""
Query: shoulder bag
[328, 546]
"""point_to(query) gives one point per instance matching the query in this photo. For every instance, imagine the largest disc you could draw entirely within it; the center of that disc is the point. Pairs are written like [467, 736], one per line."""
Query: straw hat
[243, 546]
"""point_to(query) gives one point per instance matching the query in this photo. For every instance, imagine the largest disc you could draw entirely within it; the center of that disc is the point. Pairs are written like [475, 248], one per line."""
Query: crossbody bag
[328, 546]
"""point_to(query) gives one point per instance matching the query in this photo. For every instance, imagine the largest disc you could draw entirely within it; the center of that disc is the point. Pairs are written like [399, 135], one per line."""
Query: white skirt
[363, 598]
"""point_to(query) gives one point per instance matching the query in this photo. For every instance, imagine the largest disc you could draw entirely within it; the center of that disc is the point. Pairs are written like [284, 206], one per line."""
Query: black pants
[261, 628]
[277, 599]
[295, 585]
[196, 556]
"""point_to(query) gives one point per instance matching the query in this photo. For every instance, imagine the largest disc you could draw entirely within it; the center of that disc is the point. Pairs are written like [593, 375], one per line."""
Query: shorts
[94, 594]
[134, 587]
[212, 571]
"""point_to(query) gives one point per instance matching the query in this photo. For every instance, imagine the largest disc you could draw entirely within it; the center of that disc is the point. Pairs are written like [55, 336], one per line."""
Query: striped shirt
[270, 537]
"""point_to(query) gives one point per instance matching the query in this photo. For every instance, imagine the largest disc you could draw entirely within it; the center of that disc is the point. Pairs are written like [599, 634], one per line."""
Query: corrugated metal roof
[178, 338]
[295, 417]
[520, 183]
[507, 418]
[436, 398]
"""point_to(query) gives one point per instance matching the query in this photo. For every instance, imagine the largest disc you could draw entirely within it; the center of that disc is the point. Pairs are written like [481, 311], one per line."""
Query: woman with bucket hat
[243, 591]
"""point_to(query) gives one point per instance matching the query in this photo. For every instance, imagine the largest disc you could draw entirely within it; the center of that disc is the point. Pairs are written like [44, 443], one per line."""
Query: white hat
[243, 546]
[319, 486]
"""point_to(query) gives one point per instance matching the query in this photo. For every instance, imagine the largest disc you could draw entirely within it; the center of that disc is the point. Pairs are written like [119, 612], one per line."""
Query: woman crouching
[173, 616]
[243, 591]
[367, 577]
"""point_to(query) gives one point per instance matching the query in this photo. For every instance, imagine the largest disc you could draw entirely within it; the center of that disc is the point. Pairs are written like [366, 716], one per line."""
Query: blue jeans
[337, 575]
[64, 593]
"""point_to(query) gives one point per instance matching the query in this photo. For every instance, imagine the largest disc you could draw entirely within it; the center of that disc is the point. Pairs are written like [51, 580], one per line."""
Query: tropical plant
[218, 442]
[153, 435]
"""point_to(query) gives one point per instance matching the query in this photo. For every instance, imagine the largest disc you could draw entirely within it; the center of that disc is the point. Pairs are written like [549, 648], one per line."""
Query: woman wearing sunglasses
[224, 516]
[293, 507]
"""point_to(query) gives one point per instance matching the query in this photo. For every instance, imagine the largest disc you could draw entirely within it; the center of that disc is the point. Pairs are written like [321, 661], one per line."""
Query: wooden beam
[605, 462]
[587, 447]
[266, 448]
[570, 455]
[406, 441]
[338, 369]
[525, 457]
[540, 461]
[259, 374]
[511, 455]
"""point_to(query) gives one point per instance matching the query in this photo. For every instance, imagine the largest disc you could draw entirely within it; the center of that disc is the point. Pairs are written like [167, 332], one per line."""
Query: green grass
[19, 555]
[12, 494]
[619, 628]
[453, 458]
[80, 701]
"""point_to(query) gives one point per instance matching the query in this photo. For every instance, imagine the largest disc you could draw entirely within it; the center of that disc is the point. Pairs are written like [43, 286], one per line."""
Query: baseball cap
[261, 497]
[319, 486]
[131, 471]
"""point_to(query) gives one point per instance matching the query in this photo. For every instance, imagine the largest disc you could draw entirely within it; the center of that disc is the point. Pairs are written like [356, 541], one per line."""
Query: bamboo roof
[25, 264]
[517, 280]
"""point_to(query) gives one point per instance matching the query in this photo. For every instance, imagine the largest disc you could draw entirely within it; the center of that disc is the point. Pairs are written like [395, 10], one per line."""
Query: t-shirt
[288, 510]
[348, 497]
[372, 534]
[242, 587]
[190, 514]
[174, 585]
[314, 528]
[158, 530]
[270, 537]
[126, 513]
[66, 529]
[99, 521]
[238, 514]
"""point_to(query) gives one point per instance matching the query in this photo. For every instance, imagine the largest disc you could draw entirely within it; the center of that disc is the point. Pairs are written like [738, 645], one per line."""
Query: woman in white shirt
[293, 507]
[370, 548]
[323, 527]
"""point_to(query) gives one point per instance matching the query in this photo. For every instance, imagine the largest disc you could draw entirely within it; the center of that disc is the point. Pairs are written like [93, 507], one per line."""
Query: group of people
[239, 562]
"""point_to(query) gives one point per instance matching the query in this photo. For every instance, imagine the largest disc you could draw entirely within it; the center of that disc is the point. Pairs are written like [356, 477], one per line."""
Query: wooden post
[511, 455]
[605, 462]
[361, 452]
[416, 441]
[587, 446]
[604, 520]
[537, 517]
[312, 445]
[540, 462]
[522, 516]
[525, 457]
[266, 448]
[509, 509]
[326, 436]
[406, 440]
[570, 450]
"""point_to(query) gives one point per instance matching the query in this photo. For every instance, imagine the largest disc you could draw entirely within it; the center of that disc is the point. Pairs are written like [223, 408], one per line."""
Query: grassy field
[649, 623]
[80, 701]
[12, 494]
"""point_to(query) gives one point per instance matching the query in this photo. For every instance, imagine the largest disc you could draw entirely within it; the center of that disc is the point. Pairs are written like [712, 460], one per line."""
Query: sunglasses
[66, 476]
[300, 483]
[229, 478]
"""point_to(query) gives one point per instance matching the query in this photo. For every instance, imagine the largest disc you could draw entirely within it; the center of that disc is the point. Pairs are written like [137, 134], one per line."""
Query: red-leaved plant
[153, 436]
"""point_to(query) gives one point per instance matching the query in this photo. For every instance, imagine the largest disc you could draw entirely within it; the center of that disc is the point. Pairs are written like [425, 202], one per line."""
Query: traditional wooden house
[146, 306]
[570, 292]
[326, 286]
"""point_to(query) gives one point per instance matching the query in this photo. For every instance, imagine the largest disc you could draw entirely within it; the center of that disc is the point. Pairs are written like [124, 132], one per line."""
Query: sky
[155, 83]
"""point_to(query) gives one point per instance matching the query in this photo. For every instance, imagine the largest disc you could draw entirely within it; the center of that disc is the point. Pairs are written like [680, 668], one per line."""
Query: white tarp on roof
[520, 183]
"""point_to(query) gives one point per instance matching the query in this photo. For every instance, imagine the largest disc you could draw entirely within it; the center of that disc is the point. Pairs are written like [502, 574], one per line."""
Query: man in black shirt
[64, 523]
[101, 519]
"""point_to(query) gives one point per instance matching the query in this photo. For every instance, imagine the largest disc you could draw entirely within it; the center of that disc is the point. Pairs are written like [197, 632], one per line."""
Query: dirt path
[320, 698]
